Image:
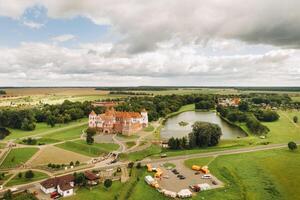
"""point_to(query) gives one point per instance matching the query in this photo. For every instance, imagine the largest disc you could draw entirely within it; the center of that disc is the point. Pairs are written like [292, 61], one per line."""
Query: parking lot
[171, 181]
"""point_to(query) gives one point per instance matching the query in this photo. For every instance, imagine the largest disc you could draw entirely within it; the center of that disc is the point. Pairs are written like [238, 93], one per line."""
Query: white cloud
[33, 25]
[36, 63]
[63, 38]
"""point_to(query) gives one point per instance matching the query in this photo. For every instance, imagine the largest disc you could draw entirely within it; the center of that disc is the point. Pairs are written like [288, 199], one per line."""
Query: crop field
[93, 150]
[43, 128]
[53, 154]
[17, 157]
[19, 181]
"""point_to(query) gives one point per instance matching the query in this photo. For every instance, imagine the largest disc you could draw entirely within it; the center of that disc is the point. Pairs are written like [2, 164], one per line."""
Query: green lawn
[18, 156]
[149, 128]
[68, 134]
[130, 144]
[272, 174]
[98, 192]
[93, 150]
[139, 155]
[19, 181]
[40, 128]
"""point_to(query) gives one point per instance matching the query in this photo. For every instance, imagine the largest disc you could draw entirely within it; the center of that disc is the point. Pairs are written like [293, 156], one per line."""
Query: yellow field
[52, 154]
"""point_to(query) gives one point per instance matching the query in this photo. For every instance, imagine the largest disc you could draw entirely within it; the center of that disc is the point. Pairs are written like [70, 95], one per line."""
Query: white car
[206, 176]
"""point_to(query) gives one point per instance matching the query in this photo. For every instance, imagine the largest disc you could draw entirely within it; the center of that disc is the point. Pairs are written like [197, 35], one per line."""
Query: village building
[92, 179]
[63, 185]
[113, 121]
[234, 102]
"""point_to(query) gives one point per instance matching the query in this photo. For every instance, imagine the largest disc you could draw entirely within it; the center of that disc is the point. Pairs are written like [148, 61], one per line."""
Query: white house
[63, 185]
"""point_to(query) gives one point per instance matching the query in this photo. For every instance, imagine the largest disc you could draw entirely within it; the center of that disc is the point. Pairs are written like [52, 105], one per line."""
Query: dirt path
[122, 148]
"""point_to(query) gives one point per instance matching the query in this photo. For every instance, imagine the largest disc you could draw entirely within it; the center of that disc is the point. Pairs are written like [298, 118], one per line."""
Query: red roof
[62, 181]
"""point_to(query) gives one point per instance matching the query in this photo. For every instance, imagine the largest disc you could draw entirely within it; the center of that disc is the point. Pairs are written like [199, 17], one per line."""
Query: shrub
[292, 146]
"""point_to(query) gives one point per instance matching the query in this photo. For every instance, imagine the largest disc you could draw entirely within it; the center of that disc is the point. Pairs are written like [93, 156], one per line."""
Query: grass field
[52, 154]
[19, 181]
[41, 128]
[98, 192]
[66, 134]
[17, 157]
[93, 150]
[130, 144]
[272, 174]
[139, 155]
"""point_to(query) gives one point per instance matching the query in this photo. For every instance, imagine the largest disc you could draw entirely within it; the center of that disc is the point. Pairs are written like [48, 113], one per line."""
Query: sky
[158, 42]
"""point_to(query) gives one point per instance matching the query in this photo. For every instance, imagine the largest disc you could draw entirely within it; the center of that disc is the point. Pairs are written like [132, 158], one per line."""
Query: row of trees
[203, 134]
[25, 119]
[161, 105]
[2, 92]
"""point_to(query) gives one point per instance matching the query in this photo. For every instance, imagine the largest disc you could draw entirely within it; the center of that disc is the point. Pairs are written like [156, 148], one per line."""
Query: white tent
[184, 193]
[169, 193]
[204, 186]
[149, 180]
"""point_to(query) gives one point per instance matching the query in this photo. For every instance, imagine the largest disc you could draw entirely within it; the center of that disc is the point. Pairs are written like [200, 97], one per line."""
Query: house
[113, 121]
[64, 185]
[92, 179]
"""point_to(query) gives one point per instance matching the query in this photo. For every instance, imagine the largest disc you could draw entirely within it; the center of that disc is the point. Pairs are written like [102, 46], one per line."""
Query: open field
[18, 181]
[93, 150]
[17, 157]
[52, 154]
[272, 174]
[67, 134]
[43, 128]
[139, 155]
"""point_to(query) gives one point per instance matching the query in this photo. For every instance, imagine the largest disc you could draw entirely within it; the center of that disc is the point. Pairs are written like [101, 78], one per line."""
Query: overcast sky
[157, 42]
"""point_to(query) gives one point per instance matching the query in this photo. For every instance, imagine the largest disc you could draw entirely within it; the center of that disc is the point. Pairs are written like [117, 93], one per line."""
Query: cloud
[33, 25]
[144, 24]
[63, 38]
[36, 63]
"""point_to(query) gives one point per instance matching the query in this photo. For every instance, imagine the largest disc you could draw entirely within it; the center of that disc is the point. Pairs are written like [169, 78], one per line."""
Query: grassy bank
[271, 174]
[92, 150]
[19, 181]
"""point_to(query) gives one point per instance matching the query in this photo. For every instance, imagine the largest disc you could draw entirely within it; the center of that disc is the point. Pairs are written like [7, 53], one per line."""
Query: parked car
[206, 176]
[197, 173]
[182, 177]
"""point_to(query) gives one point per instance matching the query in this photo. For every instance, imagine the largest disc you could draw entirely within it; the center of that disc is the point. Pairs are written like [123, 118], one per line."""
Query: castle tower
[92, 119]
[144, 114]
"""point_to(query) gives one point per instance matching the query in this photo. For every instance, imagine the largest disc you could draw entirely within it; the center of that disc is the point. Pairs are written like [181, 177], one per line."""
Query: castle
[113, 121]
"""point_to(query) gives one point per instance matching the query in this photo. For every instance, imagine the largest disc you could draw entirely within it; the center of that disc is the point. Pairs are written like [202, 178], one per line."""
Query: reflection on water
[172, 128]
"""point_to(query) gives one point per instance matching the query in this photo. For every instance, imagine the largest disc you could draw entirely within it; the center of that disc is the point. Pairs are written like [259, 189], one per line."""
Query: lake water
[173, 129]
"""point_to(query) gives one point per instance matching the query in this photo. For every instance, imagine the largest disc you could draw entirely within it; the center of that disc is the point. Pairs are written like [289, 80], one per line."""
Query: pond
[173, 129]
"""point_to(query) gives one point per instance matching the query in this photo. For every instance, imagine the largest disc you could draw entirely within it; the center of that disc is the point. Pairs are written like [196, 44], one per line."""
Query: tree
[8, 195]
[77, 163]
[244, 106]
[90, 132]
[20, 175]
[204, 134]
[51, 120]
[80, 179]
[295, 119]
[29, 174]
[292, 146]
[107, 183]
[71, 163]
